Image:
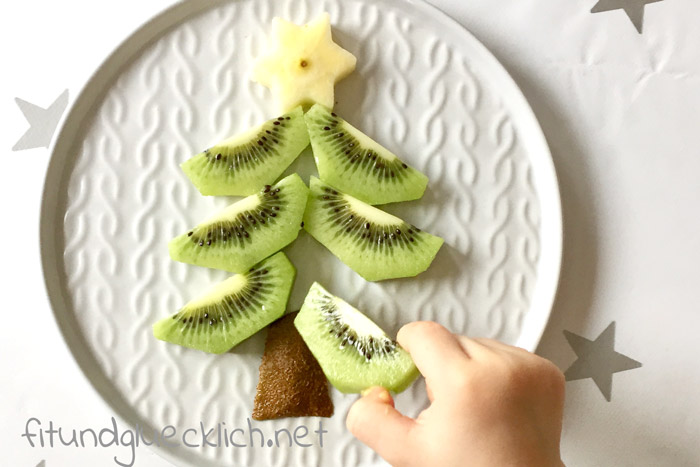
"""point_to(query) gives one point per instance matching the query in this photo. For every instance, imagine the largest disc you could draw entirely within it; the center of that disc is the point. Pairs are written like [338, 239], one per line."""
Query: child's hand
[491, 405]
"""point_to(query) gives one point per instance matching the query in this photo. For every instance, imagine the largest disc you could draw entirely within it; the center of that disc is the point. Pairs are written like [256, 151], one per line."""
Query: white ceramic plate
[114, 196]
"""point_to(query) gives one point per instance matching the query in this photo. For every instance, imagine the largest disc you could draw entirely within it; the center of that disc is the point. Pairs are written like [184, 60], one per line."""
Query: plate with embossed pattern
[114, 195]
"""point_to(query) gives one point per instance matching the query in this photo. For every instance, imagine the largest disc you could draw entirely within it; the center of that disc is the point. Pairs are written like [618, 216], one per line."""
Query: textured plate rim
[550, 229]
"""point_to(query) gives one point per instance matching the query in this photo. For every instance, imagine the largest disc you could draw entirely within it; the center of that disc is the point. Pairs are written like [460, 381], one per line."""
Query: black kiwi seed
[267, 188]
[218, 157]
[366, 225]
[189, 234]
[260, 143]
[276, 123]
[201, 243]
[280, 118]
[326, 128]
[366, 345]
[404, 166]
[302, 223]
[333, 114]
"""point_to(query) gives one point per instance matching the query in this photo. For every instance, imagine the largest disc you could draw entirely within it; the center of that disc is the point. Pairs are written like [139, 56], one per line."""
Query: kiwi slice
[352, 350]
[373, 243]
[350, 160]
[232, 310]
[242, 164]
[247, 231]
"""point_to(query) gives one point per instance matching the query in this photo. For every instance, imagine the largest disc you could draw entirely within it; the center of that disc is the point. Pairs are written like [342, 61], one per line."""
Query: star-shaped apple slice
[303, 64]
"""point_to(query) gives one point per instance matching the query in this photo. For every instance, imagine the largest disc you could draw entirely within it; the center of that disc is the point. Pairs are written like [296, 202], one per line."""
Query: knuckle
[460, 378]
[544, 373]
[513, 373]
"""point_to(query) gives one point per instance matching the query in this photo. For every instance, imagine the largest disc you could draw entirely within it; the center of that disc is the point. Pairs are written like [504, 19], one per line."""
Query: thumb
[373, 420]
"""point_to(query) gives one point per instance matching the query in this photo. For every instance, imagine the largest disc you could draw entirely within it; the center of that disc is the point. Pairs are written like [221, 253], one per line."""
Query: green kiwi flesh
[247, 231]
[373, 243]
[354, 353]
[354, 163]
[242, 164]
[233, 310]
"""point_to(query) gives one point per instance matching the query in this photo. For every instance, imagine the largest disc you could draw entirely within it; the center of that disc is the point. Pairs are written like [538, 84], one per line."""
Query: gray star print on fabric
[633, 8]
[598, 359]
[43, 122]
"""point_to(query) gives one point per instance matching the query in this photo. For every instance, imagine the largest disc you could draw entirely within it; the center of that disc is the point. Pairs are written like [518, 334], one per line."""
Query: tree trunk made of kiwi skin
[291, 382]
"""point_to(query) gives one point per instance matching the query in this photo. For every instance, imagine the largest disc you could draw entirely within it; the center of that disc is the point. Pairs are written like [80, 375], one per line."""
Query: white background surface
[620, 112]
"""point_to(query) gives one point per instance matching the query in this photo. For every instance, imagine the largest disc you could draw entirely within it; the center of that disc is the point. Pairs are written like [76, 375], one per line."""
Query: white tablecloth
[620, 111]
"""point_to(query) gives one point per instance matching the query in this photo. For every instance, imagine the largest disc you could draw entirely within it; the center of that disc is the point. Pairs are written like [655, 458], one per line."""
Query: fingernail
[384, 395]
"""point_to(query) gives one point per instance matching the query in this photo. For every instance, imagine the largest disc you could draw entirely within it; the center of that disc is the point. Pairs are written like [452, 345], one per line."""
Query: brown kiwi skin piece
[291, 382]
